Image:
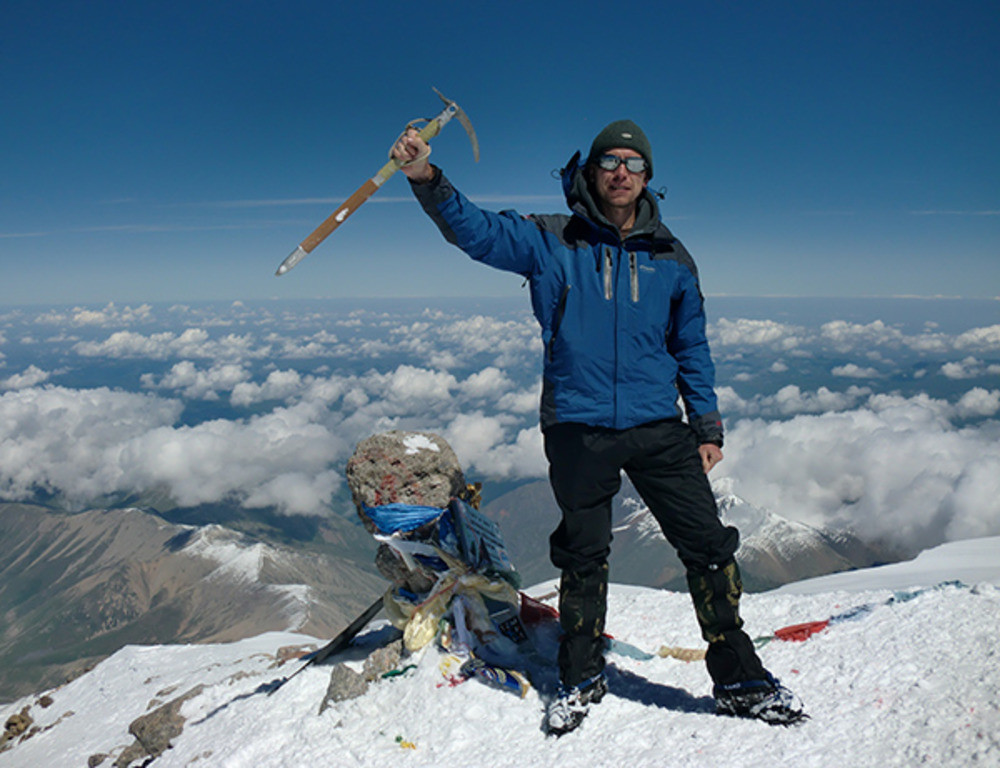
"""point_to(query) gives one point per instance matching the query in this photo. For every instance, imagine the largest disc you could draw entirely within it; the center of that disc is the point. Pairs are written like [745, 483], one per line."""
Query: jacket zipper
[617, 344]
[608, 277]
[633, 270]
[557, 320]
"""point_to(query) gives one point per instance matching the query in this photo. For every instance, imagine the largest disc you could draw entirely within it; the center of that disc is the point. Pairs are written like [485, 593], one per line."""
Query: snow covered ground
[914, 680]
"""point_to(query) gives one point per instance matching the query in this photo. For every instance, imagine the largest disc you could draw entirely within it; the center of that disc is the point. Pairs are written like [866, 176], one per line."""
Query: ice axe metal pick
[431, 129]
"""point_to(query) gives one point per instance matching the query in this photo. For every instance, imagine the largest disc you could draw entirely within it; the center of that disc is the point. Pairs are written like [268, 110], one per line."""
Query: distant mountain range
[76, 587]
[773, 550]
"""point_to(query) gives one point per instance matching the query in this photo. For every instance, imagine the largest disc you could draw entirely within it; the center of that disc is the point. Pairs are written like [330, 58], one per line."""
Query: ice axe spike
[429, 131]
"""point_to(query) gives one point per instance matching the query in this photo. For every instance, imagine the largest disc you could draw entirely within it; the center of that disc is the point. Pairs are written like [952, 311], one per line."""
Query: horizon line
[469, 297]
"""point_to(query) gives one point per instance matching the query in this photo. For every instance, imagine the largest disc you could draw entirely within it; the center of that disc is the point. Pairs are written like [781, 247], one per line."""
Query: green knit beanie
[622, 134]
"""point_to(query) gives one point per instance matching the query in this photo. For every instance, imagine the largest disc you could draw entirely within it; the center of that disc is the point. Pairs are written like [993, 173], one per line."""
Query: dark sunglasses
[632, 164]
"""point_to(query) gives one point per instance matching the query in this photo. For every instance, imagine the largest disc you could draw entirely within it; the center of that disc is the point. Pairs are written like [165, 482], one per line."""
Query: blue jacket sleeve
[688, 344]
[503, 240]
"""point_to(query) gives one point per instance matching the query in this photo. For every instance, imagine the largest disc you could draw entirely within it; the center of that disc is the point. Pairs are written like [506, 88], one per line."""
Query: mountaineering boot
[743, 688]
[766, 700]
[567, 710]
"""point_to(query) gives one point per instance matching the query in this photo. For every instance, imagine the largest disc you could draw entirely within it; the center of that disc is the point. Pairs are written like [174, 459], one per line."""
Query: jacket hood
[580, 199]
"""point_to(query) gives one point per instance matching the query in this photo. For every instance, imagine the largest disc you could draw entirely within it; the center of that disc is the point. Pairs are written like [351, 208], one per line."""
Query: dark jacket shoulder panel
[666, 247]
[571, 231]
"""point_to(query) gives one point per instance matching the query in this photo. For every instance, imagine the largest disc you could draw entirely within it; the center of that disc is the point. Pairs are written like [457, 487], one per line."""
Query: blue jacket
[623, 323]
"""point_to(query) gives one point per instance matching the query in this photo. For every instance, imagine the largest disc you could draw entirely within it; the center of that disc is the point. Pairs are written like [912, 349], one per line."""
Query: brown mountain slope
[75, 588]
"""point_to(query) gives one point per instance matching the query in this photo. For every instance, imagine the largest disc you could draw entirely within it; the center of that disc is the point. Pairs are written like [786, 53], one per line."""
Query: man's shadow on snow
[629, 685]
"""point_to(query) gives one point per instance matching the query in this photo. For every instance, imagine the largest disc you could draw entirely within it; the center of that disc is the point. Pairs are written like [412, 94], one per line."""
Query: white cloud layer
[109, 315]
[906, 467]
[82, 445]
[86, 444]
[846, 337]
[66, 442]
[890, 467]
[897, 469]
[279, 459]
[978, 402]
[790, 401]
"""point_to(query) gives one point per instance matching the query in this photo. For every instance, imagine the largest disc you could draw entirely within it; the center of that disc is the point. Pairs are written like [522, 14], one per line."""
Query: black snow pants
[661, 459]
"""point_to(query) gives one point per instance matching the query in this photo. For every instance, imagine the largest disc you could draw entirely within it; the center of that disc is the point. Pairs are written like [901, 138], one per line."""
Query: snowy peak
[773, 550]
[238, 557]
[764, 531]
[637, 521]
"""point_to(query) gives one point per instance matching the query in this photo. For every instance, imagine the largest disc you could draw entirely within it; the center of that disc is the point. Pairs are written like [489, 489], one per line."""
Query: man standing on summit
[623, 325]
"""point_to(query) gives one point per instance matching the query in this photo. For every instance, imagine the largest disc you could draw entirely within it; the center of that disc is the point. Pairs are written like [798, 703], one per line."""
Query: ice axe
[430, 129]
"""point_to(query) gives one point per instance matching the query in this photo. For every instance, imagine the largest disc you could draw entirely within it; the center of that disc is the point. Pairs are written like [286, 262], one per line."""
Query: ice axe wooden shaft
[370, 187]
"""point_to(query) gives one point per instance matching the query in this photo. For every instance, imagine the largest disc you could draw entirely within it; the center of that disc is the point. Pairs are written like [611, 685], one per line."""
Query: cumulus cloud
[404, 391]
[474, 435]
[507, 341]
[481, 442]
[192, 343]
[743, 332]
[196, 384]
[315, 345]
[854, 371]
[846, 336]
[30, 377]
[490, 382]
[969, 368]
[896, 469]
[984, 339]
[279, 385]
[523, 401]
[978, 402]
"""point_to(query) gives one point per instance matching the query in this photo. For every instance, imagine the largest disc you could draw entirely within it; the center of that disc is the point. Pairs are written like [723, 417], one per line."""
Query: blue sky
[179, 150]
